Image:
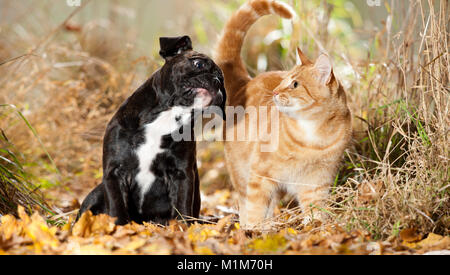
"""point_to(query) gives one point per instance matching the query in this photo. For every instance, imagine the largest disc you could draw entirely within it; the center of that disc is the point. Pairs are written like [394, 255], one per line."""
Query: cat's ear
[302, 59]
[324, 69]
[171, 46]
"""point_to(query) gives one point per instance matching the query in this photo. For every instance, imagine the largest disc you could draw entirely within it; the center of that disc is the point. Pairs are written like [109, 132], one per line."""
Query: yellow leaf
[89, 225]
[197, 233]
[67, 226]
[269, 244]
[23, 215]
[292, 231]
[203, 250]
[41, 235]
[82, 227]
[410, 245]
[9, 226]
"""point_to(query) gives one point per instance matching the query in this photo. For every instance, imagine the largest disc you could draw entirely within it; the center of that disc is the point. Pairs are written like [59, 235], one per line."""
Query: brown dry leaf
[220, 226]
[410, 235]
[314, 239]
[129, 230]
[238, 237]
[435, 241]
[103, 224]
[335, 241]
[369, 191]
[132, 246]
[176, 226]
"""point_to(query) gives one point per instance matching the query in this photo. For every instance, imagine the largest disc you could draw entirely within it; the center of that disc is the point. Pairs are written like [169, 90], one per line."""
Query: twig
[15, 58]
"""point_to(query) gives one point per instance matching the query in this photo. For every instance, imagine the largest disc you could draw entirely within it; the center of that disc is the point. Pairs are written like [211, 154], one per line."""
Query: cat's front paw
[263, 226]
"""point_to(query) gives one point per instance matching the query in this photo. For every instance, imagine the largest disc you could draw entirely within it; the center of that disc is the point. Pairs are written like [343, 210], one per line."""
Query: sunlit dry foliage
[68, 74]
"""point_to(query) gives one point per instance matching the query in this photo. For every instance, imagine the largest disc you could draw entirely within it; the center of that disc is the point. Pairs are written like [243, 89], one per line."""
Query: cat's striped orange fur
[314, 124]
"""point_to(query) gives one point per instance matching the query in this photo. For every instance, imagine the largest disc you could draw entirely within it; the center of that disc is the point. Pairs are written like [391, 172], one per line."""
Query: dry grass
[396, 175]
[400, 172]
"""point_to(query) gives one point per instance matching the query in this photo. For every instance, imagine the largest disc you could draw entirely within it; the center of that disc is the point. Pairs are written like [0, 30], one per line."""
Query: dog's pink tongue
[202, 92]
[204, 96]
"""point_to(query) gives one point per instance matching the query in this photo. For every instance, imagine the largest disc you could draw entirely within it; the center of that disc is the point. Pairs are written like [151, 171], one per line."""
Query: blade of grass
[19, 113]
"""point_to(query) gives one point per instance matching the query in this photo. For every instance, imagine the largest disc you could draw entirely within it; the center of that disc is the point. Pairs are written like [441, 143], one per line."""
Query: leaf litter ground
[99, 235]
[217, 232]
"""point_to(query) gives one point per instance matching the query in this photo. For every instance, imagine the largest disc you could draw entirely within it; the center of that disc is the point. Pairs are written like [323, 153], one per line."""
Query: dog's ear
[171, 46]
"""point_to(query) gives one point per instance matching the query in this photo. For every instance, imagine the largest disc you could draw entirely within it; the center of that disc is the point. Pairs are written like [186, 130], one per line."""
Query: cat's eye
[294, 85]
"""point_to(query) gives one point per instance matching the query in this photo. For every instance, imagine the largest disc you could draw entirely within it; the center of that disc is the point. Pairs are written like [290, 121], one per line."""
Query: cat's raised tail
[228, 49]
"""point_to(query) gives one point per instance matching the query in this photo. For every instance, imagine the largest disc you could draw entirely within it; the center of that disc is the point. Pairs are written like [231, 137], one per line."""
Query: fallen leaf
[410, 235]
[201, 233]
[41, 235]
[435, 241]
[159, 248]
[237, 225]
[269, 244]
[220, 226]
[23, 215]
[9, 226]
[203, 250]
[134, 245]
[89, 225]
[93, 250]
[292, 231]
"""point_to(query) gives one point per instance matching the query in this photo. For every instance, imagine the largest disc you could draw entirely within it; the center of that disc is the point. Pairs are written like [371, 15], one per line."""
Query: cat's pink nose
[275, 92]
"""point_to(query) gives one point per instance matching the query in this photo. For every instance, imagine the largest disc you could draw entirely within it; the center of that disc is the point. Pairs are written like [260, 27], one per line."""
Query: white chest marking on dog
[166, 123]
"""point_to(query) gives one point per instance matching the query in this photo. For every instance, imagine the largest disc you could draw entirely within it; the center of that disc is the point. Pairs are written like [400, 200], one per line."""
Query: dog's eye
[199, 64]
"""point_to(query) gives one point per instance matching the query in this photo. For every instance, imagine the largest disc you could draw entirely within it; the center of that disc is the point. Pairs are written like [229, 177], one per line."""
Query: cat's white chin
[287, 109]
[292, 109]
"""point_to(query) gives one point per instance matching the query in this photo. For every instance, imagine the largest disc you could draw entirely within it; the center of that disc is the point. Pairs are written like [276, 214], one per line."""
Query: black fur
[175, 190]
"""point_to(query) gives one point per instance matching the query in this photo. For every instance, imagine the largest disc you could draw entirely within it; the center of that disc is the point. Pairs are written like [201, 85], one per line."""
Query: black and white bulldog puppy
[147, 174]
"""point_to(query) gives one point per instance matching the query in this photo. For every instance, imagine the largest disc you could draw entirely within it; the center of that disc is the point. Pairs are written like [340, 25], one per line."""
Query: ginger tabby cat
[314, 125]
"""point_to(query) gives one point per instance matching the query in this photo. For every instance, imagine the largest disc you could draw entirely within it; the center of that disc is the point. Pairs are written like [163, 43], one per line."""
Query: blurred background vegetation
[65, 70]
